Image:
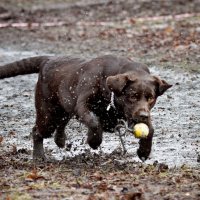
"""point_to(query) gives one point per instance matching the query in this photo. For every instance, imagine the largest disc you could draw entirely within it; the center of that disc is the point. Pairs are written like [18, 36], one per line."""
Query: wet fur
[70, 87]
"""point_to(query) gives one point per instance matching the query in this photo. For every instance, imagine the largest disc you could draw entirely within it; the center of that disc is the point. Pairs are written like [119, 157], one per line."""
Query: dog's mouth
[129, 124]
[132, 123]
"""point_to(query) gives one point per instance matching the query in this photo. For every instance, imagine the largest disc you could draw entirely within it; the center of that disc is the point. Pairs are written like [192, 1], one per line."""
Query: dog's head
[136, 94]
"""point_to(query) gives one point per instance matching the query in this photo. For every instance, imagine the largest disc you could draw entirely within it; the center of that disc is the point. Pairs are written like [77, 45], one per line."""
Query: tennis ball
[140, 130]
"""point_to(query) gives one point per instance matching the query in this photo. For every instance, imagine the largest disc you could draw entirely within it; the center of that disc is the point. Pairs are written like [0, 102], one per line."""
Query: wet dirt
[170, 46]
[175, 118]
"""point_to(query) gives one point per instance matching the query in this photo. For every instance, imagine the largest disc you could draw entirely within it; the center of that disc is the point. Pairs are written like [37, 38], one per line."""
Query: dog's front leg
[90, 120]
[145, 145]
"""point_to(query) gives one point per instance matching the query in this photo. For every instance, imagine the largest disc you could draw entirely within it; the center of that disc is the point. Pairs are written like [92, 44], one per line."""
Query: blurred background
[164, 33]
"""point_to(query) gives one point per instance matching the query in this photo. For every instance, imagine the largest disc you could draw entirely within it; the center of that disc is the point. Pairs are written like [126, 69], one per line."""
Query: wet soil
[144, 31]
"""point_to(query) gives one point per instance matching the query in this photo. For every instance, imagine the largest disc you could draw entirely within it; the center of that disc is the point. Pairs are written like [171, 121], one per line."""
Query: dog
[98, 92]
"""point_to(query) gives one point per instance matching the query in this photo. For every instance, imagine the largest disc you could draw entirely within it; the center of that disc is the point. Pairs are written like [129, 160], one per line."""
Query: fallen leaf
[121, 30]
[34, 175]
[133, 196]
[97, 176]
[168, 30]
[132, 21]
[14, 150]
[164, 60]
[88, 186]
[1, 139]
[92, 197]
[8, 198]
[103, 186]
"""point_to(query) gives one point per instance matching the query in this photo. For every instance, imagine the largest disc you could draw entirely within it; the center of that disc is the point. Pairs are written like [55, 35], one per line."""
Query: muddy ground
[163, 34]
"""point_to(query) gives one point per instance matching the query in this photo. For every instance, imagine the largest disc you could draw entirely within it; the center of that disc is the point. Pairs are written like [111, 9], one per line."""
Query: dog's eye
[150, 98]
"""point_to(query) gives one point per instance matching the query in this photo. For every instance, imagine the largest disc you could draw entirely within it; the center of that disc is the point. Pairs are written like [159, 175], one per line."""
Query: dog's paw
[60, 141]
[143, 155]
[94, 141]
[94, 145]
[38, 156]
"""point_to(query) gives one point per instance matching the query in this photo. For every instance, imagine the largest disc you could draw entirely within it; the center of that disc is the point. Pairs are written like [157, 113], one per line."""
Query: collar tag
[111, 104]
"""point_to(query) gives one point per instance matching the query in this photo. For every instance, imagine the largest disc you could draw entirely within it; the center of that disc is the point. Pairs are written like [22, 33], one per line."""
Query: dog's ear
[162, 85]
[118, 82]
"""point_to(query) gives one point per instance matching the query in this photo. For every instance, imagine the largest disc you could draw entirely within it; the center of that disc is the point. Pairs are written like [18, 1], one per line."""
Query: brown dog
[98, 92]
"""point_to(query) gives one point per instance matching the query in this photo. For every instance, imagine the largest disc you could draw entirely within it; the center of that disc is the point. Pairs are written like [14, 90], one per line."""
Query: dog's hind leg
[38, 150]
[43, 129]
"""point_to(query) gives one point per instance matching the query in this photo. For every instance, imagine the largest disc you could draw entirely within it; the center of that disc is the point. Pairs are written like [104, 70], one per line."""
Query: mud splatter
[175, 118]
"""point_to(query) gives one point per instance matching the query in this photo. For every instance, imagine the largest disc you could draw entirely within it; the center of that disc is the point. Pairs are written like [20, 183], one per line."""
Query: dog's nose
[143, 116]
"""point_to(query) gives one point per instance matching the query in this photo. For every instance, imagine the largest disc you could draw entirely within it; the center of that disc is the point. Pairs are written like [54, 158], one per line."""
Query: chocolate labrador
[98, 92]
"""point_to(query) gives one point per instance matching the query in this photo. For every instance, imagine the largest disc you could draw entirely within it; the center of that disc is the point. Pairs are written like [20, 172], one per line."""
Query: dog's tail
[25, 66]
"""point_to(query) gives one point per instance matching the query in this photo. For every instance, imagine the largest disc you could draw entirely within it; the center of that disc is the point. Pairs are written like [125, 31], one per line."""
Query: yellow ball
[141, 130]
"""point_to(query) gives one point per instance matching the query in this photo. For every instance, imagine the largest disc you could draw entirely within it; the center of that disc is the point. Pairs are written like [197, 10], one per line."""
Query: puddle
[176, 118]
